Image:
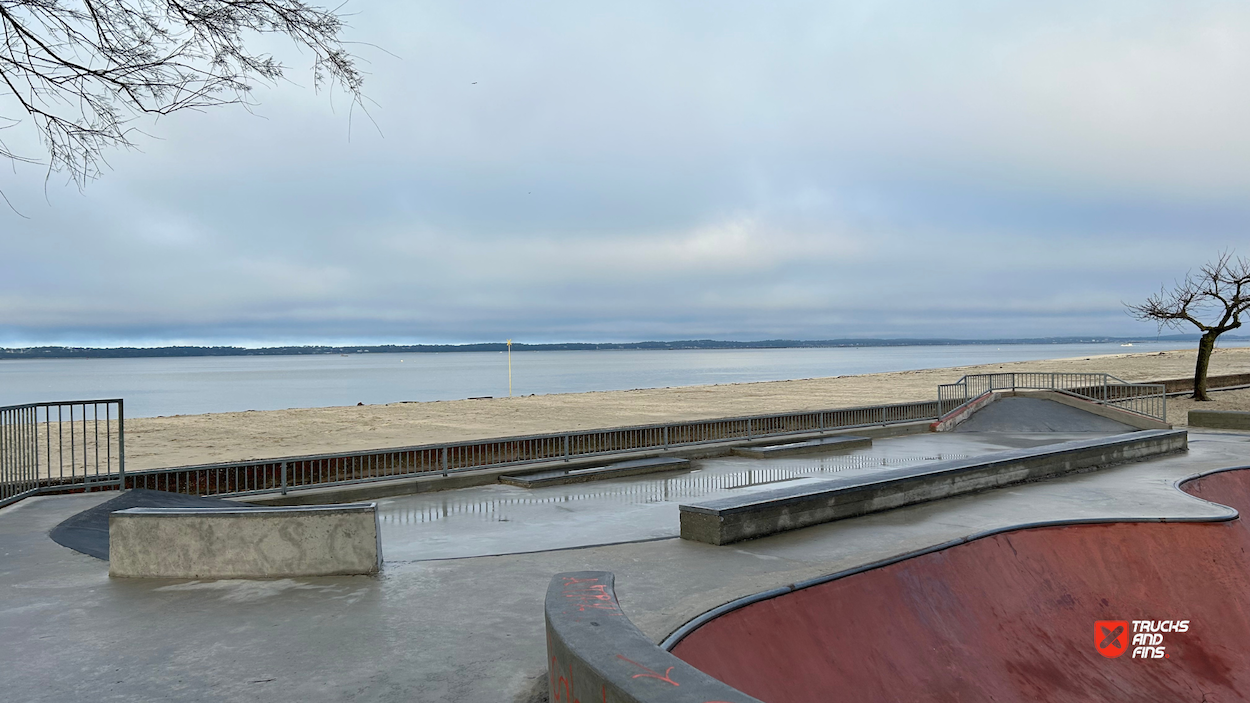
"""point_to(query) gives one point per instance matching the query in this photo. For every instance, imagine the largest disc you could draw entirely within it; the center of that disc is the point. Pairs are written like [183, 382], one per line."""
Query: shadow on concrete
[88, 531]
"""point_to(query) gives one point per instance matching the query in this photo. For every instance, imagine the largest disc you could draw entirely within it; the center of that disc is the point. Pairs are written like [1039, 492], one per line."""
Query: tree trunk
[1205, 346]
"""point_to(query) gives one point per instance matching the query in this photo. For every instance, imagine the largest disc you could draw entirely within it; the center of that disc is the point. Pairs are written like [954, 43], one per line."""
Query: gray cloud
[668, 170]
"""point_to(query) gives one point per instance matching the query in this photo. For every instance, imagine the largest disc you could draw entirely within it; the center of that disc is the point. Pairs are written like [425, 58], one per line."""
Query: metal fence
[1147, 399]
[65, 446]
[80, 445]
[295, 473]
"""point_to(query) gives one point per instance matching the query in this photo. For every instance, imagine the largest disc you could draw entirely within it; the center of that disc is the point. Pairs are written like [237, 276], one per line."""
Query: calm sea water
[174, 386]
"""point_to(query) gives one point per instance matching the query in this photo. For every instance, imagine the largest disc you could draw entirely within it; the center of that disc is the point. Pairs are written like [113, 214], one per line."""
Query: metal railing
[63, 446]
[1147, 399]
[80, 445]
[296, 473]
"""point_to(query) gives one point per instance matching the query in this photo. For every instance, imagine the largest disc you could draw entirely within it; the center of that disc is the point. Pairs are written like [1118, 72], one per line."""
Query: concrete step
[597, 473]
[811, 446]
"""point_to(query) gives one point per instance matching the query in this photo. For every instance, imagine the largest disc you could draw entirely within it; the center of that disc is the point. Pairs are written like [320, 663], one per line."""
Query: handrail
[59, 446]
[1149, 399]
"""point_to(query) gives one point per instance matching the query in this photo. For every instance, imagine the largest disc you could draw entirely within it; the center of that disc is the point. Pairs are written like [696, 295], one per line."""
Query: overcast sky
[571, 171]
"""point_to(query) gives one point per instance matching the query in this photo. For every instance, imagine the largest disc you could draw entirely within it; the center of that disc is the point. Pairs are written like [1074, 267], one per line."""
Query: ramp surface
[88, 531]
[1009, 617]
[1037, 415]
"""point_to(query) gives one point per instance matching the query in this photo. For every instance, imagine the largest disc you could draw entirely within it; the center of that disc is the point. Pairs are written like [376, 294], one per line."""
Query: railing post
[35, 425]
[284, 478]
[666, 436]
[444, 462]
[748, 428]
[121, 447]
[566, 447]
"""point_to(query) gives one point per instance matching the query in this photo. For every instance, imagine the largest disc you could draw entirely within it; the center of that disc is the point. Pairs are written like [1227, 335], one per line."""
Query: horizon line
[64, 351]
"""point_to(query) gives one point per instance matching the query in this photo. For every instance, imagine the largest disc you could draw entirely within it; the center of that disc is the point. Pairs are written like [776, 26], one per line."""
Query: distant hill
[138, 352]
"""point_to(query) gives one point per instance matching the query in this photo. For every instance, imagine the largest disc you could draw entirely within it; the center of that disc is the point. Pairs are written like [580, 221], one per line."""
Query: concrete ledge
[1220, 419]
[244, 542]
[597, 473]
[594, 653]
[728, 520]
[1177, 386]
[811, 446]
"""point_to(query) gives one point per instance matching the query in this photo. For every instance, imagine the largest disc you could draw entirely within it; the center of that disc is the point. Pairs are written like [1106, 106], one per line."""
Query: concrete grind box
[245, 542]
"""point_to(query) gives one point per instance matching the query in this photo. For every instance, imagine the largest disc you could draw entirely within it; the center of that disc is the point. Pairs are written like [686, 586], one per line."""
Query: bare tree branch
[1220, 290]
[82, 70]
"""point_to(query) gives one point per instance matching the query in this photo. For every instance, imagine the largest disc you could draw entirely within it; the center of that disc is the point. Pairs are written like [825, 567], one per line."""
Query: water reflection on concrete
[695, 484]
[501, 519]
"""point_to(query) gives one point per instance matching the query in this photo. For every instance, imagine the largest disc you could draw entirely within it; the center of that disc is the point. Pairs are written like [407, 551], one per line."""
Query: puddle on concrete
[500, 519]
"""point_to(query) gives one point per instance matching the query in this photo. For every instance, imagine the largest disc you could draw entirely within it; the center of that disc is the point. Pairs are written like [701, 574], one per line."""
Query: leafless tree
[83, 70]
[1219, 291]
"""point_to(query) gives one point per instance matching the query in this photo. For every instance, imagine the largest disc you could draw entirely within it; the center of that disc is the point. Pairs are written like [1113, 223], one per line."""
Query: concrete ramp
[1038, 415]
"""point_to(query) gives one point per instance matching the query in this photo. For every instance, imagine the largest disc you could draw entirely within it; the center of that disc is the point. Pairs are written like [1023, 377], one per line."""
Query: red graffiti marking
[651, 673]
[589, 594]
[563, 688]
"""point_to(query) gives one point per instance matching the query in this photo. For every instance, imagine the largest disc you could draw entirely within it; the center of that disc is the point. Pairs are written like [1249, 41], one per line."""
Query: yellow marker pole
[509, 368]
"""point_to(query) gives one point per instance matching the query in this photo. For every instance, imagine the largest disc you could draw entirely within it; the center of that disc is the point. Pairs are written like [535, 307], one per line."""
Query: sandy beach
[196, 439]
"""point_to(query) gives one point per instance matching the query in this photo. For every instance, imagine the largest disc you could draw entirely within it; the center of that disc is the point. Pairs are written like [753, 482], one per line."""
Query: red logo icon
[1111, 637]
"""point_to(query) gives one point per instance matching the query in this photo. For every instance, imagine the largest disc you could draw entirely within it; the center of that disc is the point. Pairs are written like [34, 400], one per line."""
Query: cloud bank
[563, 172]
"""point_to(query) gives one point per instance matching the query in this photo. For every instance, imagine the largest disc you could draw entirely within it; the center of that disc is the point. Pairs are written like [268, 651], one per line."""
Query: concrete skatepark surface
[1007, 617]
[470, 628]
[502, 519]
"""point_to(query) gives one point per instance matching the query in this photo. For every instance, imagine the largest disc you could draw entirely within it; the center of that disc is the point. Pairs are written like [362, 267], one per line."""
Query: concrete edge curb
[952, 419]
[594, 652]
[1219, 419]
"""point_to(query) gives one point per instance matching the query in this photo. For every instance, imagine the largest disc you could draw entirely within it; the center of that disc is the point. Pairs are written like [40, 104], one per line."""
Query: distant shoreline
[61, 352]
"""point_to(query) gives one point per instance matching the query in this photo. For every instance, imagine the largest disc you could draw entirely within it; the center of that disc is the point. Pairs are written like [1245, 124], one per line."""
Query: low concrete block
[594, 653]
[245, 542]
[811, 446]
[728, 520]
[597, 473]
[1220, 419]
